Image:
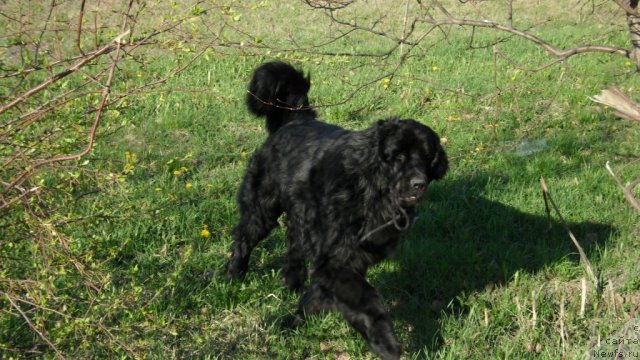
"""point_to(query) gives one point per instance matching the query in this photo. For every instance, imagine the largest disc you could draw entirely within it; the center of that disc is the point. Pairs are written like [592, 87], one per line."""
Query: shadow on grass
[463, 243]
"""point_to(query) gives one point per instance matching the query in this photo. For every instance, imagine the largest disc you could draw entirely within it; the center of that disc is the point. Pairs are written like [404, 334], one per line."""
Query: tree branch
[104, 50]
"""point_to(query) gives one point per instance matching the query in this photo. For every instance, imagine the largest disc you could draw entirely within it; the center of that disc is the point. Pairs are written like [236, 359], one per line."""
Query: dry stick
[107, 48]
[486, 317]
[626, 190]
[18, 198]
[42, 336]
[117, 341]
[583, 297]
[520, 312]
[612, 292]
[583, 256]
[534, 311]
[563, 334]
[404, 26]
[623, 105]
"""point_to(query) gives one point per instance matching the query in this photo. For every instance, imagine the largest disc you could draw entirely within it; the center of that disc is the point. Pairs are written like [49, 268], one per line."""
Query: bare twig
[94, 128]
[121, 344]
[558, 53]
[448, 18]
[106, 49]
[534, 309]
[79, 31]
[626, 190]
[583, 256]
[563, 331]
[583, 296]
[35, 329]
[44, 30]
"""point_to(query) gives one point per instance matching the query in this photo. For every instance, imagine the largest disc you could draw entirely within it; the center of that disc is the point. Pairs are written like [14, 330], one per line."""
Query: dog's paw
[389, 351]
[295, 278]
[292, 321]
[236, 268]
[383, 342]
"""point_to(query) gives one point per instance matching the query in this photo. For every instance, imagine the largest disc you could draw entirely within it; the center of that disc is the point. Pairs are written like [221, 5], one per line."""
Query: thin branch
[44, 30]
[106, 49]
[117, 341]
[583, 256]
[35, 329]
[79, 31]
[559, 53]
[94, 128]
[23, 193]
[449, 19]
[626, 190]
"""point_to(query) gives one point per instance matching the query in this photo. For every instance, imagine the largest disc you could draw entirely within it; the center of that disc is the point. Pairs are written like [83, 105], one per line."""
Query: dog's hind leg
[247, 234]
[259, 212]
[359, 303]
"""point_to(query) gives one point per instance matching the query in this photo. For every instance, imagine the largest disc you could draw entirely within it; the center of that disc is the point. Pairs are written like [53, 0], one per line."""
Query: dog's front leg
[295, 273]
[361, 305]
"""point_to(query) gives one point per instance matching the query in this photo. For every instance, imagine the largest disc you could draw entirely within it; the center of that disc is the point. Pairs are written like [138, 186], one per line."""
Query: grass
[482, 259]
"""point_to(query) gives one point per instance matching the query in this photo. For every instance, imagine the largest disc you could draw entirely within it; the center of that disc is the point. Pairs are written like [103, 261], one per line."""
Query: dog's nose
[418, 183]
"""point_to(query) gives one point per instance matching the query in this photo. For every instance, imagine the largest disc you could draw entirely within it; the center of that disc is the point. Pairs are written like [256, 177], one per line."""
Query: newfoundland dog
[348, 197]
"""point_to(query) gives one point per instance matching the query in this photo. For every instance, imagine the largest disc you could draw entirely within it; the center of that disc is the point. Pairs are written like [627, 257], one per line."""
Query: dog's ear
[439, 165]
[386, 131]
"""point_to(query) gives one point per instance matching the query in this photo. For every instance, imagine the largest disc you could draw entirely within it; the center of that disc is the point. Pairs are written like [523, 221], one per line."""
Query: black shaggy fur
[348, 197]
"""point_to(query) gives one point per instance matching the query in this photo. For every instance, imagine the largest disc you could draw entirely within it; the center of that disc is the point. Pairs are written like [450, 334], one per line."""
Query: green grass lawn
[143, 226]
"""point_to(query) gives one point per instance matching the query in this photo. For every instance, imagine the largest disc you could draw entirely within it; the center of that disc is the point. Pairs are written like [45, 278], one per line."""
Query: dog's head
[413, 157]
[278, 85]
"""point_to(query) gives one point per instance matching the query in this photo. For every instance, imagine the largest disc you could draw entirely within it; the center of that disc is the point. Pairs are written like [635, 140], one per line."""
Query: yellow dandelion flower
[158, 189]
[205, 231]
[243, 154]
[188, 185]
[435, 68]
[176, 172]
[628, 63]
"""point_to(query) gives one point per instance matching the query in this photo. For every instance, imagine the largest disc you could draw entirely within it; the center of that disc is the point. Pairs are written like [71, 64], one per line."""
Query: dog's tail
[278, 91]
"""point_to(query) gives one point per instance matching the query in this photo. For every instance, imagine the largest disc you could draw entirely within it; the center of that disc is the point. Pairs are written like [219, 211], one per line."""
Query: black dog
[348, 196]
